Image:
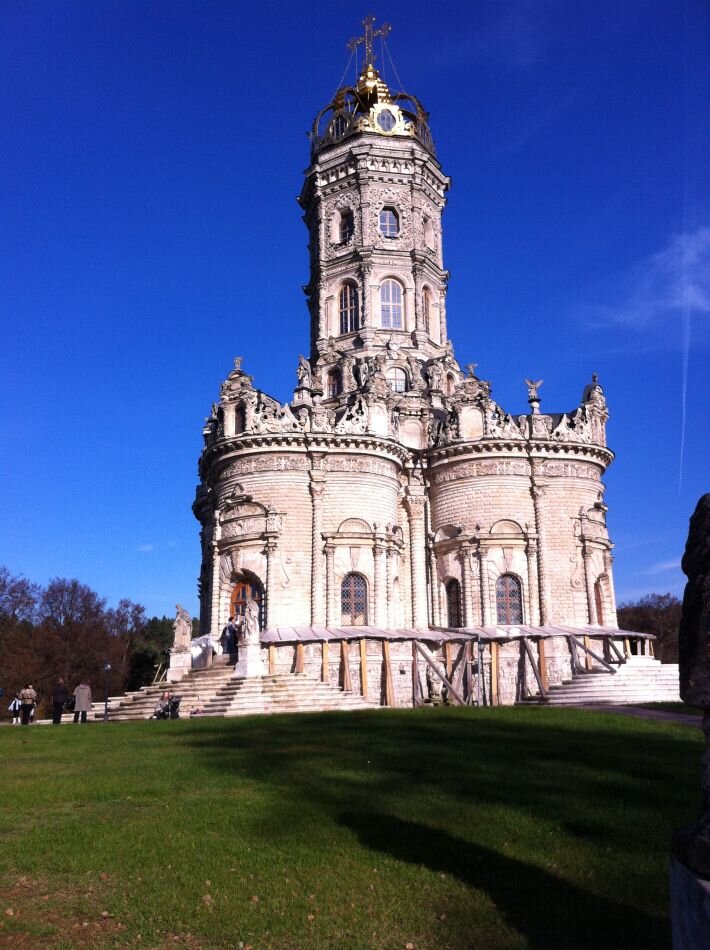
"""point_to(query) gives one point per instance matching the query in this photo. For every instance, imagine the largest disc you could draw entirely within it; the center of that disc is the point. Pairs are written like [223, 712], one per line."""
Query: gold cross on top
[370, 34]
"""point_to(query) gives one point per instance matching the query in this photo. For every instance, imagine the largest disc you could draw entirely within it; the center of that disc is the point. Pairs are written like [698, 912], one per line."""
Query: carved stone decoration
[182, 630]
[691, 845]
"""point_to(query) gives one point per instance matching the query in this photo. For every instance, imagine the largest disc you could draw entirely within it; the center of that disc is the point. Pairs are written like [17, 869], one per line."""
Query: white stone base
[180, 665]
[690, 908]
[249, 662]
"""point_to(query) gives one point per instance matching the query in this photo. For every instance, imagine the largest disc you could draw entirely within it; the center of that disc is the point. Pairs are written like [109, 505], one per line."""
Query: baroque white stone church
[393, 510]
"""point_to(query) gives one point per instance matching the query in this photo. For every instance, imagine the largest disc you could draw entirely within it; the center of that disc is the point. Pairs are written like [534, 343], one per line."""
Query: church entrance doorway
[353, 601]
[246, 587]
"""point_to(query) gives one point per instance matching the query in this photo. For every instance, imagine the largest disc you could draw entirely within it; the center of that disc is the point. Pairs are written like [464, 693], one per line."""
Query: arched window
[334, 384]
[397, 380]
[453, 603]
[389, 222]
[246, 587]
[348, 308]
[599, 602]
[353, 601]
[239, 420]
[391, 305]
[346, 227]
[426, 308]
[509, 599]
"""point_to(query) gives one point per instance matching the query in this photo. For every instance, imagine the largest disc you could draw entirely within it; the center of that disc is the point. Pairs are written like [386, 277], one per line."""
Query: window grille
[509, 599]
[353, 601]
[347, 226]
[389, 222]
[334, 384]
[453, 603]
[397, 380]
[348, 308]
[391, 305]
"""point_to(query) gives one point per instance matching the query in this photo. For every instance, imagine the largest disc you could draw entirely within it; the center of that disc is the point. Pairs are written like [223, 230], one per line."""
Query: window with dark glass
[334, 384]
[509, 599]
[347, 226]
[397, 380]
[426, 308]
[391, 305]
[599, 603]
[353, 601]
[389, 222]
[348, 308]
[453, 603]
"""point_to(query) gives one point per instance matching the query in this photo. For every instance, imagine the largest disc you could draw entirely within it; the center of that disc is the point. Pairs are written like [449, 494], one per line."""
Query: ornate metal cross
[370, 34]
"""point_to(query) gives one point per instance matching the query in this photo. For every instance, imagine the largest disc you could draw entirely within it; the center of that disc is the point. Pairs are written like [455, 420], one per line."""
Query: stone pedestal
[690, 908]
[249, 663]
[180, 665]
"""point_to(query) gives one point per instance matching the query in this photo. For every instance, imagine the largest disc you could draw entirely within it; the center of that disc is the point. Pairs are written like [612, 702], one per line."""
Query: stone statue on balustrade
[251, 622]
[182, 630]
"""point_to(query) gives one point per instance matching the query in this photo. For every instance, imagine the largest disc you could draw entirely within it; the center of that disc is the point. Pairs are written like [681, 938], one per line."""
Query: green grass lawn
[446, 828]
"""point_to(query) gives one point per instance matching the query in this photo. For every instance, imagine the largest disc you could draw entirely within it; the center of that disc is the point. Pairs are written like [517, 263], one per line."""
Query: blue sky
[151, 154]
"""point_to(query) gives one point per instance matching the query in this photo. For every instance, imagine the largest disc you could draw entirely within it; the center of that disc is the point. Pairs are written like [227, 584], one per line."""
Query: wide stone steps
[220, 693]
[640, 679]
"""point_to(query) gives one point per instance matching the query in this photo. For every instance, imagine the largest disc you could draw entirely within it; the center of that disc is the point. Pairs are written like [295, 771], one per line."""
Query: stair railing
[576, 644]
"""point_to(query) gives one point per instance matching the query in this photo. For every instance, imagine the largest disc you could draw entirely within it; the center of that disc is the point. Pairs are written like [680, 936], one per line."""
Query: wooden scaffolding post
[363, 666]
[389, 687]
[543, 662]
[587, 657]
[494, 673]
[324, 671]
[345, 663]
[627, 647]
[299, 657]
[272, 659]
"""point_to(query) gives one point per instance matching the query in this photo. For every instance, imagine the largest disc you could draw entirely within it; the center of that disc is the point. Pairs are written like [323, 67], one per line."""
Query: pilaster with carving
[415, 504]
[608, 569]
[214, 599]
[435, 593]
[270, 552]
[589, 581]
[486, 612]
[538, 491]
[317, 488]
[391, 572]
[378, 552]
[330, 618]
[534, 594]
[465, 559]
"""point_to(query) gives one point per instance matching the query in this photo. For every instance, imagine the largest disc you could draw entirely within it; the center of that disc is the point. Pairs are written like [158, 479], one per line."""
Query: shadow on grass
[548, 911]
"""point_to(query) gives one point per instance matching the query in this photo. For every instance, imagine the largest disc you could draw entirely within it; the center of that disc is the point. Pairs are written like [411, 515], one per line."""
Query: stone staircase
[640, 680]
[220, 693]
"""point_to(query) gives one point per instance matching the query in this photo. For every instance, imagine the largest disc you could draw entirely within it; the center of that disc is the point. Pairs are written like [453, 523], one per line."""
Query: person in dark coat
[28, 699]
[60, 695]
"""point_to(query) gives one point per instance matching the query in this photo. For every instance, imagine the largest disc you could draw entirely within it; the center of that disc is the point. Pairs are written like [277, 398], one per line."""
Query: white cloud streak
[662, 567]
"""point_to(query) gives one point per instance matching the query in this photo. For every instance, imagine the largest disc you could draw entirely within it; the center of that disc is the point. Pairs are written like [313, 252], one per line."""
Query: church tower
[373, 198]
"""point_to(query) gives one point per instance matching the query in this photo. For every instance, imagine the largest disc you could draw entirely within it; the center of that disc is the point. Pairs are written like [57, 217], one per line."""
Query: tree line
[67, 630]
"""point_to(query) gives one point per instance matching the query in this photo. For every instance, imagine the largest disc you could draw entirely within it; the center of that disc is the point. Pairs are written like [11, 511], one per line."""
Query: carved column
[608, 563]
[534, 594]
[489, 620]
[442, 315]
[435, 593]
[378, 553]
[538, 492]
[366, 315]
[465, 560]
[330, 619]
[317, 487]
[589, 582]
[417, 322]
[270, 552]
[415, 511]
[391, 571]
[214, 591]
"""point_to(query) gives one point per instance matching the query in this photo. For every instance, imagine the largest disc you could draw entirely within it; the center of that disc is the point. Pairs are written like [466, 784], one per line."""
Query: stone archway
[246, 586]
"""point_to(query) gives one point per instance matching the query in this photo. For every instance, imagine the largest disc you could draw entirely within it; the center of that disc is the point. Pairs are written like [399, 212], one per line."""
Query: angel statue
[533, 388]
[251, 621]
[303, 372]
[182, 629]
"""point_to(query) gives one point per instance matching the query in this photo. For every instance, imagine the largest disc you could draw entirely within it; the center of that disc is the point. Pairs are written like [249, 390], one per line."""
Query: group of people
[23, 705]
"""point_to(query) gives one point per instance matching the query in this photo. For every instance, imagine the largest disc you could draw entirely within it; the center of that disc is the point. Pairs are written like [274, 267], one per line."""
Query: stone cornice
[540, 449]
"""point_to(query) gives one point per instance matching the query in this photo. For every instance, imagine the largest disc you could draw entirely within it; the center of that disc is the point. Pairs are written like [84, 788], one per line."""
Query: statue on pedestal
[251, 621]
[182, 630]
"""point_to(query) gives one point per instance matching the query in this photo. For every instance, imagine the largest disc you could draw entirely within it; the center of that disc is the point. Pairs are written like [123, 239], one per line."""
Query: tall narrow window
[389, 222]
[453, 603]
[353, 601]
[397, 380]
[334, 384]
[347, 225]
[391, 305]
[509, 599]
[426, 308]
[348, 308]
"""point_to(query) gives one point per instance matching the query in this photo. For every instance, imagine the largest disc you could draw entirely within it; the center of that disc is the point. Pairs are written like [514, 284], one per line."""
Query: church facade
[393, 506]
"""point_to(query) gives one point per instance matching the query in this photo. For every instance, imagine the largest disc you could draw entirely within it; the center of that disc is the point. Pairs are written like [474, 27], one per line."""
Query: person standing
[82, 701]
[14, 708]
[28, 698]
[60, 695]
